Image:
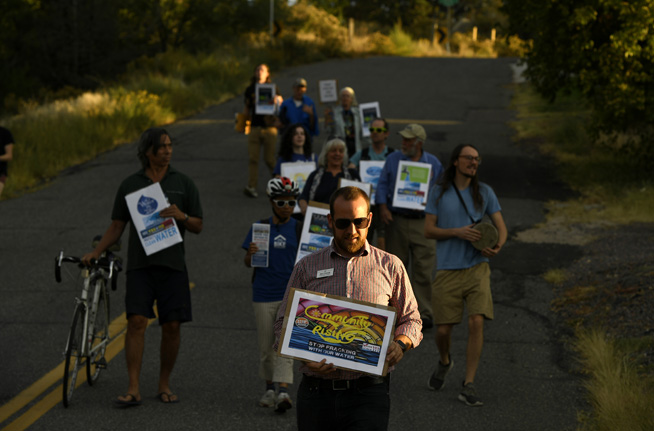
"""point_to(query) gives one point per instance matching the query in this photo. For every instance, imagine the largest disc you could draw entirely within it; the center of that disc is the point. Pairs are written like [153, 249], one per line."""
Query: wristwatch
[185, 217]
[402, 346]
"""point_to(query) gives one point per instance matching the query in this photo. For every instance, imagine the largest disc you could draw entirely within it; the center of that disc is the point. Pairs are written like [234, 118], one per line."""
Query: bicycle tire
[100, 334]
[74, 359]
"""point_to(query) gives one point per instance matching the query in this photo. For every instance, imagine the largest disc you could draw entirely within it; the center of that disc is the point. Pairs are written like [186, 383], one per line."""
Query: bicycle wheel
[98, 342]
[74, 359]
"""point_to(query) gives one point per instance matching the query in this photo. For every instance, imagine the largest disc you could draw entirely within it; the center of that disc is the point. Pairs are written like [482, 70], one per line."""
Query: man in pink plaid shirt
[329, 398]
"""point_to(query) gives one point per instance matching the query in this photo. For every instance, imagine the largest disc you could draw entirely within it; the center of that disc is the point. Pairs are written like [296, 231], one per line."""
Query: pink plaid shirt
[373, 276]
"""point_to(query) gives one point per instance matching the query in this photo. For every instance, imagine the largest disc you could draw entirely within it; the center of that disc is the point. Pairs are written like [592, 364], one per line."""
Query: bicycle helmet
[278, 187]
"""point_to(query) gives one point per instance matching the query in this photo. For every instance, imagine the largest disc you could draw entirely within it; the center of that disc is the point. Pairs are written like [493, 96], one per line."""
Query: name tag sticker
[325, 273]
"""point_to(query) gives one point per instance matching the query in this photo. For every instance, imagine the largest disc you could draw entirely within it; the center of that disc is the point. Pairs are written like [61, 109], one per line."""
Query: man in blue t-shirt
[269, 285]
[454, 207]
[299, 109]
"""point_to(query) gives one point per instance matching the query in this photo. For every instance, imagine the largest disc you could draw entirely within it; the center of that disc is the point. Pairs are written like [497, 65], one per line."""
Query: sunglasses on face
[378, 129]
[359, 223]
[282, 204]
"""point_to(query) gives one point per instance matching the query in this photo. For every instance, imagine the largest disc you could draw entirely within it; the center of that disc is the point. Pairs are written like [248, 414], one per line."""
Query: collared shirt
[386, 185]
[373, 276]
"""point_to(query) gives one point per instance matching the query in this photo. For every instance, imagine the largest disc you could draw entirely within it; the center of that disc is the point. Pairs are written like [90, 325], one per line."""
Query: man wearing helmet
[269, 285]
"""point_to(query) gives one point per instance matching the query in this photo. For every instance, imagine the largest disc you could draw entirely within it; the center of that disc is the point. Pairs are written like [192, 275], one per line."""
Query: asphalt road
[523, 376]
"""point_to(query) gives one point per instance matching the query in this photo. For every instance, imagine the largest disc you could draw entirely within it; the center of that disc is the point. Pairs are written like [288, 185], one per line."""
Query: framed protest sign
[370, 171]
[298, 172]
[328, 91]
[265, 99]
[352, 335]
[261, 237]
[316, 233]
[411, 185]
[155, 233]
[369, 111]
[366, 187]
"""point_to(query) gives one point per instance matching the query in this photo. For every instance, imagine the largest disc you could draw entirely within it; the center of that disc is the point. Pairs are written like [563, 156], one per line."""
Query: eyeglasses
[471, 158]
[378, 129]
[359, 223]
[281, 203]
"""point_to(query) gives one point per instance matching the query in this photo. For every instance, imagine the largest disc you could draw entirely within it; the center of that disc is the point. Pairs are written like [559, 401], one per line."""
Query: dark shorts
[168, 287]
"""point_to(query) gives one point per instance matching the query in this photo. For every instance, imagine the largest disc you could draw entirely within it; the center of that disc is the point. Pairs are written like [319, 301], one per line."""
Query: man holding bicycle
[161, 276]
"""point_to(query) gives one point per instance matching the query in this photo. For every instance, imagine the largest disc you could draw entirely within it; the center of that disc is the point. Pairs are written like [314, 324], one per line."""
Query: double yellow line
[45, 383]
[117, 336]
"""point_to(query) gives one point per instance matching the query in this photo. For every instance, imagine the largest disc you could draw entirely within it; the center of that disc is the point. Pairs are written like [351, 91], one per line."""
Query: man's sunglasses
[281, 203]
[359, 223]
[378, 129]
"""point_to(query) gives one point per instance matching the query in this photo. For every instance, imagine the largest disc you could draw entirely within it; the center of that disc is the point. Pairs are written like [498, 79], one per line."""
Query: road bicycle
[89, 331]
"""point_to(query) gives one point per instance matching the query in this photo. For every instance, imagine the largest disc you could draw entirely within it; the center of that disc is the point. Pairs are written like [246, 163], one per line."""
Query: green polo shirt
[181, 191]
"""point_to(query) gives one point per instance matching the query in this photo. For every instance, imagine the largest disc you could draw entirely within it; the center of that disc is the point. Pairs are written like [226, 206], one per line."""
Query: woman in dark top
[332, 165]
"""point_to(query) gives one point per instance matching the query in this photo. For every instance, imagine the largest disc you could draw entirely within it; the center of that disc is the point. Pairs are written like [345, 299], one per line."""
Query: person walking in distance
[405, 227]
[161, 276]
[269, 285]
[263, 133]
[6, 155]
[454, 206]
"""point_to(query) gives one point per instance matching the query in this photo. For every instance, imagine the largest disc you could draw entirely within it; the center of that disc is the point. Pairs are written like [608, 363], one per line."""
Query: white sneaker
[268, 399]
[283, 402]
[251, 191]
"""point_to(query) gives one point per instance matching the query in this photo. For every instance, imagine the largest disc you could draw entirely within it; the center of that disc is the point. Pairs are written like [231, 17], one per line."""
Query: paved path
[522, 376]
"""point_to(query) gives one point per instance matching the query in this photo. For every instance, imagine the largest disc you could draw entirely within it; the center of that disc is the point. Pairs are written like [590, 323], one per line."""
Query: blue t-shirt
[455, 253]
[294, 158]
[270, 283]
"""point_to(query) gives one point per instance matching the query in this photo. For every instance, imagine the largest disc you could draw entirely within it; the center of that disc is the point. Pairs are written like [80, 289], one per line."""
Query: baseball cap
[414, 131]
[300, 82]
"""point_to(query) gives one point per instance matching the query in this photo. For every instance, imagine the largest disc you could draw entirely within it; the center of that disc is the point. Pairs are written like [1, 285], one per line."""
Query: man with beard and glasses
[330, 398]
[269, 285]
[405, 227]
[462, 272]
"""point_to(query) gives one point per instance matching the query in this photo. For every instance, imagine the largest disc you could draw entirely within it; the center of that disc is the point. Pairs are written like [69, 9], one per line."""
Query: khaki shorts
[452, 289]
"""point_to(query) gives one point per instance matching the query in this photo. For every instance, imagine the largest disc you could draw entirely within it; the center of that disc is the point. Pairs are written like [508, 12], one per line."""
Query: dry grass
[621, 398]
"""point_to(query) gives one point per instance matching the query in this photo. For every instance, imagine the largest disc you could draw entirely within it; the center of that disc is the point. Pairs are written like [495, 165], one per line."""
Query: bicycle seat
[114, 247]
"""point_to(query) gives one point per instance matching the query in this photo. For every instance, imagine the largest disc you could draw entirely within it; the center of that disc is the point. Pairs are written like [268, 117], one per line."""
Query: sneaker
[437, 380]
[469, 396]
[283, 402]
[251, 191]
[268, 399]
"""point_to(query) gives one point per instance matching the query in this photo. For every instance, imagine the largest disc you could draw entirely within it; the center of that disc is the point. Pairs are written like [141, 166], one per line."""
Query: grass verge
[621, 397]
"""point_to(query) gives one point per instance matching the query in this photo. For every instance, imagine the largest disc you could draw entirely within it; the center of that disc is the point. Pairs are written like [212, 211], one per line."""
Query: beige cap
[300, 82]
[414, 131]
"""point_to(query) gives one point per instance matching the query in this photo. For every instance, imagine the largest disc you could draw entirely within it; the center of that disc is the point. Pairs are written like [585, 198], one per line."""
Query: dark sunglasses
[378, 129]
[282, 203]
[359, 223]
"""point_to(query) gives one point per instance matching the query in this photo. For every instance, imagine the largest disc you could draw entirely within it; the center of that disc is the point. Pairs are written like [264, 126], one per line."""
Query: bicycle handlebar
[109, 263]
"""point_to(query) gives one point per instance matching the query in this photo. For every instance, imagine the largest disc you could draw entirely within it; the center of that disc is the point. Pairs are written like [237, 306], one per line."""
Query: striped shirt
[373, 276]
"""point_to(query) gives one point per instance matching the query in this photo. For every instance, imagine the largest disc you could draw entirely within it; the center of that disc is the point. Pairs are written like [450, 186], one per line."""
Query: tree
[602, 48]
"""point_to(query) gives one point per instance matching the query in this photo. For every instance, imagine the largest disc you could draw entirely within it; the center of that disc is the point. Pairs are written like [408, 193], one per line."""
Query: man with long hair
[454, 207]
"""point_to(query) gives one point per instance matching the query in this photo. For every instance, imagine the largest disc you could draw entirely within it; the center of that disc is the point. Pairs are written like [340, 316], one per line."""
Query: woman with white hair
[332, 165]
[344, 121]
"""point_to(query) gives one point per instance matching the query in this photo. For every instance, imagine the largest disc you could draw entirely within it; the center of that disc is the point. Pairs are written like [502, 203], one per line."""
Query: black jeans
[360, 408]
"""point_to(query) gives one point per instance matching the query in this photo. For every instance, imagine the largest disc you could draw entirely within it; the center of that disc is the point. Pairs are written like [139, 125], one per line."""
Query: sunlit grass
[556, 276]
[621, 397]
[610, 185]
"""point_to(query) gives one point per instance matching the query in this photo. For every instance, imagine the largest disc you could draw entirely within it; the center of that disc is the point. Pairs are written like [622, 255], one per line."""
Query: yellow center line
[115, 346]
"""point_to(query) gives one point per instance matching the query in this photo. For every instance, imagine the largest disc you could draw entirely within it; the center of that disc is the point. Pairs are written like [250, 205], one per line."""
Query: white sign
[369, 111]
[328, 90]
[298, 172]
[316, 233]
[412, 185]
[265, 99]
[155, 233]
[366, 187]
[261, 237]
[370, 171]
